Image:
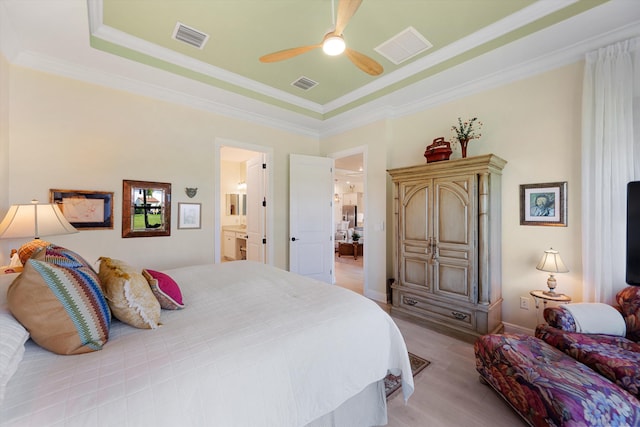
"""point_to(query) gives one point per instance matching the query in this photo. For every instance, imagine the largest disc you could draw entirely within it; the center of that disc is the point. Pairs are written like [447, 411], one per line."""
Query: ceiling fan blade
[363, 62]
[346, 9]
[288, 53]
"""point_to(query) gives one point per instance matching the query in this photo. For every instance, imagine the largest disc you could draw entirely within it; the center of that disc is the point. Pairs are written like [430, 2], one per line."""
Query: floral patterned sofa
[565, 377]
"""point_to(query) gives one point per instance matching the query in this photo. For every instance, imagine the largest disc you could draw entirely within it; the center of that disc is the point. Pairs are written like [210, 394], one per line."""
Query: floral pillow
[165, 289]
[629, 301]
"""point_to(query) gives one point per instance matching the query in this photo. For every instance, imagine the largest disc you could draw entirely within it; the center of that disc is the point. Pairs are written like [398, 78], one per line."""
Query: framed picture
[146, 208]
[188, 215]
[85, 210]
[543, 204]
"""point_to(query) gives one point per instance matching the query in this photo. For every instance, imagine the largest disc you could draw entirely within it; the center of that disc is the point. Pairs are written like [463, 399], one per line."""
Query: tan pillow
[128, 294]
[58, 299]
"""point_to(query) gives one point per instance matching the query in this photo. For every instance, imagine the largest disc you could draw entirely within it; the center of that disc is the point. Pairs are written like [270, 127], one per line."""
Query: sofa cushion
[629, 302]
[614, 357]
[548, 387]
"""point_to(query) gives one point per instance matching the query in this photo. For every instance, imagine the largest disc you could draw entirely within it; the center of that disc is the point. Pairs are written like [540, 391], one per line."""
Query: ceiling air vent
[190, 35]
[404, 45]
[304, 83]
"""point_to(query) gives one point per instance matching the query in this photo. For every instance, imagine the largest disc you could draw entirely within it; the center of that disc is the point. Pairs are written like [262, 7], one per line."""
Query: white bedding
[255, 346]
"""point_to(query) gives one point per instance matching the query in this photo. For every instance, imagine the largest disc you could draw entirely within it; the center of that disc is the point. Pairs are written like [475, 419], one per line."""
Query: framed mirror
[233, 204]
[146, 208]
[236, 204]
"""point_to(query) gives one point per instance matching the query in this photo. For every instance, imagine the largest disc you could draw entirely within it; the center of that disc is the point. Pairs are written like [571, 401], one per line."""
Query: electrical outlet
[524, 303]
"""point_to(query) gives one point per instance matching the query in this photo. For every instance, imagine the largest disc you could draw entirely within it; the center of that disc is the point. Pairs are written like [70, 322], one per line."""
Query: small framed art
[85, 210]
[189, 215]
[543, 204]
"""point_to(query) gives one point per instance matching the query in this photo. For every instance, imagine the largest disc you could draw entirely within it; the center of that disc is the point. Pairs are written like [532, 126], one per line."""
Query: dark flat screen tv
[633, 233]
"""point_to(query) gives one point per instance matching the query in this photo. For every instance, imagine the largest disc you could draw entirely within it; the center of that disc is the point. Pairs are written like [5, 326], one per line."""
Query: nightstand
[545, 296]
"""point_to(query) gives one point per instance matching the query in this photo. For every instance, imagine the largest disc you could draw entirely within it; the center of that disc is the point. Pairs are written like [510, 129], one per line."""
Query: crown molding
[510, 23]
[100, 30]
[193, 94]
[520, 59]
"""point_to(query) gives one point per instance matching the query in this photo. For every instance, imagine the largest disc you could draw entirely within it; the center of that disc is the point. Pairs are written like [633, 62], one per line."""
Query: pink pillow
[165, 289]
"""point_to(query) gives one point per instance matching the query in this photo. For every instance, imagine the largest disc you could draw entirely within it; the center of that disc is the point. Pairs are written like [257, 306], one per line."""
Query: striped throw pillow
[59, 300]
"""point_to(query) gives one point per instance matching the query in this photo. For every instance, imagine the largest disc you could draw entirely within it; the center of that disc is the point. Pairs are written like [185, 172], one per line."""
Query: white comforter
[255, 346]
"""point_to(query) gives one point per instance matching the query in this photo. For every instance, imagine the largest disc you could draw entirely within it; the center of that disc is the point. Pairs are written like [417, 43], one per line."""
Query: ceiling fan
[333, 43]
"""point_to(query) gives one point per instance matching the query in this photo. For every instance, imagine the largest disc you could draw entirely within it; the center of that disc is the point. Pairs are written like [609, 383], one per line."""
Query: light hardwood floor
[448, 392]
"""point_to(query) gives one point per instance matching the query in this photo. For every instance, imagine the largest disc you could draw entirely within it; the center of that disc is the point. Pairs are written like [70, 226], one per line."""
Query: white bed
[255, 346]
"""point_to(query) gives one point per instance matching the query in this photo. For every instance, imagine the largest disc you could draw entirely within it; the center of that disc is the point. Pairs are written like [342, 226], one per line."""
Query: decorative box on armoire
[447, 245]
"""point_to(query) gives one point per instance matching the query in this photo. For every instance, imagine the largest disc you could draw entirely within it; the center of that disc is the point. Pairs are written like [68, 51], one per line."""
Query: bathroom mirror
[146, 208]
[233, 204]
[236, 204]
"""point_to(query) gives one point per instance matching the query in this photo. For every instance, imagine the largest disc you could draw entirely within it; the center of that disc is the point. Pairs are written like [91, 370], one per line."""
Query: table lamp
[33, 220]
[552, 263]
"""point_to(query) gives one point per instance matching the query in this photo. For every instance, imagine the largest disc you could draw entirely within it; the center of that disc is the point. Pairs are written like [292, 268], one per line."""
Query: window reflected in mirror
[146, 209]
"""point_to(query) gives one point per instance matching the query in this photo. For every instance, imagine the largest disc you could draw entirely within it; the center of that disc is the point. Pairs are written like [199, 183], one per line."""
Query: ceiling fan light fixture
[333, 45]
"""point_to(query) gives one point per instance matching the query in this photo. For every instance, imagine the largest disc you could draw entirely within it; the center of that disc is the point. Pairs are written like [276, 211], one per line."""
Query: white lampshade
[34, 221]
[552, 263]
[333, 45]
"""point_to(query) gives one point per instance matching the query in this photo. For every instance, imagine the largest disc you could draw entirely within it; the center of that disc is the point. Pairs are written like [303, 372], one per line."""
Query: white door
[256, 209]
[310, 216]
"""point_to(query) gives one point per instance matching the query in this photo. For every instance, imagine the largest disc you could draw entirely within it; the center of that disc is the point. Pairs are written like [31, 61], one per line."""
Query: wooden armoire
[447, 241]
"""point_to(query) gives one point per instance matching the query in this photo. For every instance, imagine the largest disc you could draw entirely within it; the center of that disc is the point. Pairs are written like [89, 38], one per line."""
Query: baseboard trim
[517, 329]
[376, 296]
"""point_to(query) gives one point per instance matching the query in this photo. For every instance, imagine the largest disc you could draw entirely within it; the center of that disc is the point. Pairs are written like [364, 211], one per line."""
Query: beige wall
[71, 135]
[375, 142]
[4, 134]
[67, 134]
[534, 124]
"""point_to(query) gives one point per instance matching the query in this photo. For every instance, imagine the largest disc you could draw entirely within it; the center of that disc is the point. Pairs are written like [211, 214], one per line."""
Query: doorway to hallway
[349, 221]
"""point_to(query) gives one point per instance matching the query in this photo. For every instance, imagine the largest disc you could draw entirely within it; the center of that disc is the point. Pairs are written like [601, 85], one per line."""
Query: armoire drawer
[429, 308]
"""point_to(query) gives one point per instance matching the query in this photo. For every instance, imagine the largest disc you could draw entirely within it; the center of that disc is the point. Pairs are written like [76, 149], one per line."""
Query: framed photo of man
[544, 204]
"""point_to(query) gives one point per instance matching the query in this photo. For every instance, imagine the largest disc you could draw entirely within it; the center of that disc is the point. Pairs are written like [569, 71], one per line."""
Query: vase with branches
[465, 132]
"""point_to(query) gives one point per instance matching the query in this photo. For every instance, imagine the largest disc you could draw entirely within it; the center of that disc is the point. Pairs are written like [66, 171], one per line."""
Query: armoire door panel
[453, 253]
[453, 211]
[453, 281]
[415, 207]
[417, 248]
[453, 219]
[416, 272]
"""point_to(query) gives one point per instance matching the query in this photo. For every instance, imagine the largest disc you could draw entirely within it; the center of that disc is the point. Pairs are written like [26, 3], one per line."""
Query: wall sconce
[551, 263]
[336, 197]
[242, 185]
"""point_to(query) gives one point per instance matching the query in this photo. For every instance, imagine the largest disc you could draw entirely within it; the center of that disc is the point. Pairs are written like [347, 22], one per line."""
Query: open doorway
[349, 219]
[242, 215]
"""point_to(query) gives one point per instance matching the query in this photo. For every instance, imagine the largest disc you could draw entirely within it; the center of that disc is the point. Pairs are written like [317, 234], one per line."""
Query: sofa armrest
[628, 300]
[560, 318]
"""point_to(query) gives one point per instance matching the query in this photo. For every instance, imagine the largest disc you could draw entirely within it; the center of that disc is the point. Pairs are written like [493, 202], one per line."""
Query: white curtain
[610, 159]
